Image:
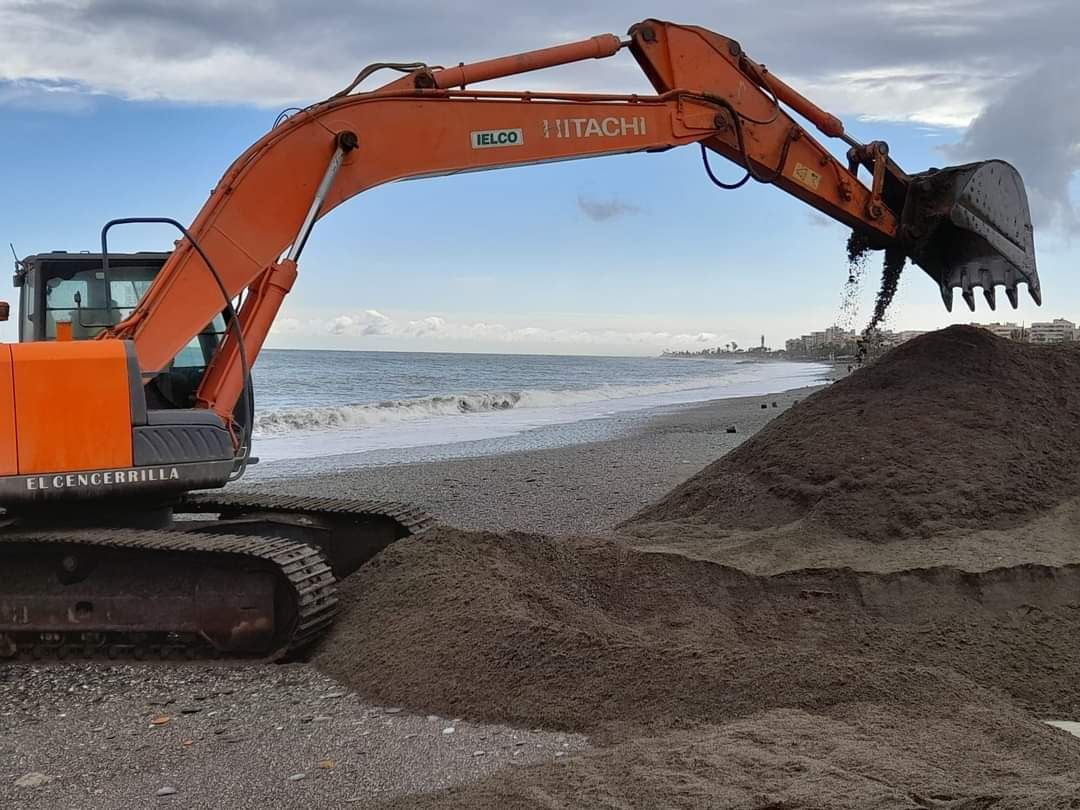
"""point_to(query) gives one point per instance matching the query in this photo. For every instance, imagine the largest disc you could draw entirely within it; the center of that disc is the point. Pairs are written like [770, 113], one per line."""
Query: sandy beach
[581, 488]
[239, 733]
[679, 617]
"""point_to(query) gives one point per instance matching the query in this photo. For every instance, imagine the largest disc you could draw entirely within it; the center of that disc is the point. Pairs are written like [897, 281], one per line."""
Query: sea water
[339, 408]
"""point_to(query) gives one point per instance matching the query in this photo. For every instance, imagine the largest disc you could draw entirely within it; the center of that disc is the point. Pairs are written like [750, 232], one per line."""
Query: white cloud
[934, 62]
[50, 96]
[939, 95]
[286, 326]
[944, 63]
[370, 323]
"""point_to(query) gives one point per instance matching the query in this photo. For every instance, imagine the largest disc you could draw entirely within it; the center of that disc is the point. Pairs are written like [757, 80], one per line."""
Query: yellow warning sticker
[807, 176]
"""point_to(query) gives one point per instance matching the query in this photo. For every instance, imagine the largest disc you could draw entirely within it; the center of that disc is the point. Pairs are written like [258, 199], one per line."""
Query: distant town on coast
[835, 343]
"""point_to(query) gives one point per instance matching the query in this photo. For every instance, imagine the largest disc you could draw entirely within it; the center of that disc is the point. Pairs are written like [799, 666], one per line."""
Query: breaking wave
[283, 421]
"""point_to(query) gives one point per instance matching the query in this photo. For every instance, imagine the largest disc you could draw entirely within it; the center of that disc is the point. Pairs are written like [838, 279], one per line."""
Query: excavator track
[256, 581]
[349, 531]
[412, 519]
[302, 569]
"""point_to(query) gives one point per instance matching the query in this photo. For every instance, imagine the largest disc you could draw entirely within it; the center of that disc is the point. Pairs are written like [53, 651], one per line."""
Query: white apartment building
[1009, 331]
[1058, 330]
[906, 335]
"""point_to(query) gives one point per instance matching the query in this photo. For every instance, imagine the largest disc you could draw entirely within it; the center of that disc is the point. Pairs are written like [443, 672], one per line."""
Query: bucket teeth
[966, 290]
[989, 290]
[947, 296]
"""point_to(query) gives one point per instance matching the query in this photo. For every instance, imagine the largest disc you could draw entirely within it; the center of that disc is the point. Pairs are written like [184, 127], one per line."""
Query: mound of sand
[583, 634]
[981, 757]
[956, 429]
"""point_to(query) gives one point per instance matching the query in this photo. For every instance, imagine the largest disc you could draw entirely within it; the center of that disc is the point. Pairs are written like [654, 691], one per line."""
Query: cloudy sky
[135, 107]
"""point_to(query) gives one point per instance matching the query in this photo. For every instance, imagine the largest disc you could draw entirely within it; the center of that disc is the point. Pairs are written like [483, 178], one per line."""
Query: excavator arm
[430, 122]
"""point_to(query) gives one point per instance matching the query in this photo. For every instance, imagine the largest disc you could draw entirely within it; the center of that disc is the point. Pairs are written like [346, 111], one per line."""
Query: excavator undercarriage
[228, 575]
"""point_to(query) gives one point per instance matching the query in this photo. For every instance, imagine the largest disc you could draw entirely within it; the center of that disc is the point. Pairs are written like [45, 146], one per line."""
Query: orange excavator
[130, 386]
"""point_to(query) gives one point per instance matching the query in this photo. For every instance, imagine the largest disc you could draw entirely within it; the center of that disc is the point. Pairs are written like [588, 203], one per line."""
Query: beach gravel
[197, 736]
[581, 488]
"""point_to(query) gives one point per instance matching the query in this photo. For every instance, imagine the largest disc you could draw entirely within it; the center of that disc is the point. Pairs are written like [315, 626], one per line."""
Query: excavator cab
[66, 296]
[84, 423]
[70, 288]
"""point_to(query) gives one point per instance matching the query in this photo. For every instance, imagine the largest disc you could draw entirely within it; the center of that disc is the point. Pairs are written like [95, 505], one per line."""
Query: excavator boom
[100, 440]
[430, 123]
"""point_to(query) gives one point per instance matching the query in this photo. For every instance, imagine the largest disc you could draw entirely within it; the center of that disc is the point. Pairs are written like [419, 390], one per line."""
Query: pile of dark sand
[713, 687]
[956, 429]
[982, 757]
[585, 634]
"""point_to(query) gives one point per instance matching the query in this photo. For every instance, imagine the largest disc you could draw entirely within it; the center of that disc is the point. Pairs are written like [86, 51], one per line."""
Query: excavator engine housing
[77, 427]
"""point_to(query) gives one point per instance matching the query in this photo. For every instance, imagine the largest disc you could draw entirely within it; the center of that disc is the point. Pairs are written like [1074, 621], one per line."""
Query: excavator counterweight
[131, 382]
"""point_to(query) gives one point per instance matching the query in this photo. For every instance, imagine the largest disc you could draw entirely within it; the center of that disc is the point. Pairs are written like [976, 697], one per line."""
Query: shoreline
[584, 487]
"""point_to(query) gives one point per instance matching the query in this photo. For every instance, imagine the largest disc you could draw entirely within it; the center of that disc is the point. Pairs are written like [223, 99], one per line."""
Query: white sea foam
[285, 421]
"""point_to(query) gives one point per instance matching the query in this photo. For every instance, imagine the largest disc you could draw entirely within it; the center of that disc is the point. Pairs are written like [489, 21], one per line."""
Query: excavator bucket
[971, 227]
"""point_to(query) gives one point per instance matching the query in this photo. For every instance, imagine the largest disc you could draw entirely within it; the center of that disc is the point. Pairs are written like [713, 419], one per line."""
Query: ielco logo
[488, 138]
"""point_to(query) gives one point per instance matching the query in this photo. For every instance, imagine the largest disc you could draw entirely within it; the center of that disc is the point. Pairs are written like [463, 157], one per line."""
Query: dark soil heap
[585, 634]
[981, 758]
[956, 429]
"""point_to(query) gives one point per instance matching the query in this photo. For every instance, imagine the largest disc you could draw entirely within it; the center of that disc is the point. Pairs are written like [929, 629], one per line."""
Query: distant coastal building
[830, 342]
[835, 335]
[1058, 330]
[896, 338]
[1009, 331]
[837, 344]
